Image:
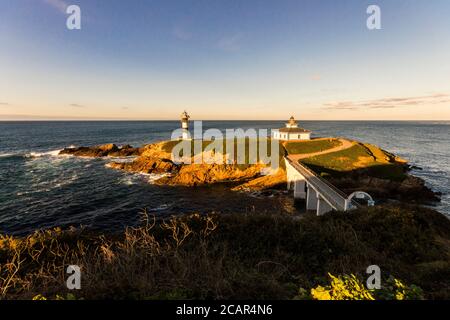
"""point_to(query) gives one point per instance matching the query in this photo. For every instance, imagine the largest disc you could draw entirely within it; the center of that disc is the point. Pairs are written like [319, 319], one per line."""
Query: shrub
[250, 256]
[342, 288]
[349, 287]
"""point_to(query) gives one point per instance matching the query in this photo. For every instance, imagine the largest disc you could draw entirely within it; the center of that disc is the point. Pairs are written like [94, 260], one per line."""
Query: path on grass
[345, 144]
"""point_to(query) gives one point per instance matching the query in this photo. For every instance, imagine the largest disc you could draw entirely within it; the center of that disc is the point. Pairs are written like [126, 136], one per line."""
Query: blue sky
[225, 60]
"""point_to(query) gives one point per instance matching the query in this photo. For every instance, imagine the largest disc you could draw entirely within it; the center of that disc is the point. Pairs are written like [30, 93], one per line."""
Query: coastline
[118, 190]
[416, 246]
[156, 159]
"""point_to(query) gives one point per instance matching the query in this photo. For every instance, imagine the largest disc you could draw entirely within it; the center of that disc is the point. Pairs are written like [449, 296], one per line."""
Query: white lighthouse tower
[185, 126]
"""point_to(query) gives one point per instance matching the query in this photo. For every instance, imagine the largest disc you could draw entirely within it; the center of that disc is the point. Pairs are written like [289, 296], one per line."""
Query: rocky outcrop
[106, 150]
[147, 165]
[411, 189]
[201, 174]
[152, 159]
[275, 180]
[156, 158]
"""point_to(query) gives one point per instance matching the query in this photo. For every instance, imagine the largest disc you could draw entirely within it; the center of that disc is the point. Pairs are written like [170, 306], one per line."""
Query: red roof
[293, 130]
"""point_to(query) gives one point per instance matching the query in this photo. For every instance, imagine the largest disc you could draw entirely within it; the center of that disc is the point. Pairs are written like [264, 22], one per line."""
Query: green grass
[358, 158]
[343, 160]
[312, 146]
[169, 145]
[242, 143]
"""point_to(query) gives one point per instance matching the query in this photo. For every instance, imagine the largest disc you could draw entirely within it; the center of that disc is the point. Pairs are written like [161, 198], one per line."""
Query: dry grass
[253, 256]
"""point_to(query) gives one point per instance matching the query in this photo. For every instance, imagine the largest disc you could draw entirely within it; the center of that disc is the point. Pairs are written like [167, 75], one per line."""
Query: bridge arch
[361, 195]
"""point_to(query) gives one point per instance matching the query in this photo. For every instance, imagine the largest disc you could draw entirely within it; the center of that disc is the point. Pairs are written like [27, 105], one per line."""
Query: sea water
[39, 189]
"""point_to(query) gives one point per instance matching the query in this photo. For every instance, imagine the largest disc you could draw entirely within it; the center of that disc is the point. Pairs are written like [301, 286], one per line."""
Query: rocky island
[349, 165]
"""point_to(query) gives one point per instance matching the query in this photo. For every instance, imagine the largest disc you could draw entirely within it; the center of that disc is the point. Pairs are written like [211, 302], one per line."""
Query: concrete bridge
[320, 195]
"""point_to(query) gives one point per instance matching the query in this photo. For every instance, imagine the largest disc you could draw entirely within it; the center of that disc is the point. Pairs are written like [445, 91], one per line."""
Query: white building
[185, 126]
[291, 132]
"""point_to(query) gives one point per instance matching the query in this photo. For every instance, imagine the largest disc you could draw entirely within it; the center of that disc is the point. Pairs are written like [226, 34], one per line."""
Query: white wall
[291, 136]
[300, 136]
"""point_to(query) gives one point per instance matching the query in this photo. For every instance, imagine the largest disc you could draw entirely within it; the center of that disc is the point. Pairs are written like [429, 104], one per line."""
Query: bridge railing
[336, 196]
[342, 193]
[333, 195]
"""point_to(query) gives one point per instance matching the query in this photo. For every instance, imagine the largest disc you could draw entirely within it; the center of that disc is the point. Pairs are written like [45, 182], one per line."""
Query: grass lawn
[311, 146]
[368, 158]
[227, 145]
[361, 157]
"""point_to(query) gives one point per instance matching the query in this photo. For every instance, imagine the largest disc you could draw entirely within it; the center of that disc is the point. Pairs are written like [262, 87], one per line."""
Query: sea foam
[52, 153]
[5, 155]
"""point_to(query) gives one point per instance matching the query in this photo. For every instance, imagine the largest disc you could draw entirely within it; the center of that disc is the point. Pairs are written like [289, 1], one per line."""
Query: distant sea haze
[40, 189]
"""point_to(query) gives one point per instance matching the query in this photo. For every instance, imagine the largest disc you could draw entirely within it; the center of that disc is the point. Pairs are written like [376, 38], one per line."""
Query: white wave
[66, 181]
[131, 179]
[122, 159]
[5, 155]
[160, 208]
[48, 185]
[128, 181]
[53, 153]
[152, 177]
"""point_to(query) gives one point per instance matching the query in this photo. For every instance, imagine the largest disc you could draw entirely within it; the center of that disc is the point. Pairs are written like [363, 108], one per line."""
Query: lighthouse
[291, 123]
[185, 126]
[291, 132]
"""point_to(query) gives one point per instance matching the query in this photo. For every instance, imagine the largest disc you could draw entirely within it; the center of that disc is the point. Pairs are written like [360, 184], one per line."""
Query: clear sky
[225, 59]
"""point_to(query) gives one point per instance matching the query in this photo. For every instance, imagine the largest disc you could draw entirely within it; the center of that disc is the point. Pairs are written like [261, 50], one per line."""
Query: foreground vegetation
[253, 256]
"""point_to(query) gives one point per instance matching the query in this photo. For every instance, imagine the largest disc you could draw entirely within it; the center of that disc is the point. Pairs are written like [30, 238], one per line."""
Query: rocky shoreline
[154, 159]
[411, 190]
[106, 150]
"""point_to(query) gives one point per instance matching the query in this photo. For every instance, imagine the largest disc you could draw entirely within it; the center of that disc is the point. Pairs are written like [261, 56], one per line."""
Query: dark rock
[105, 150]
[411, 189]
[147, 165]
